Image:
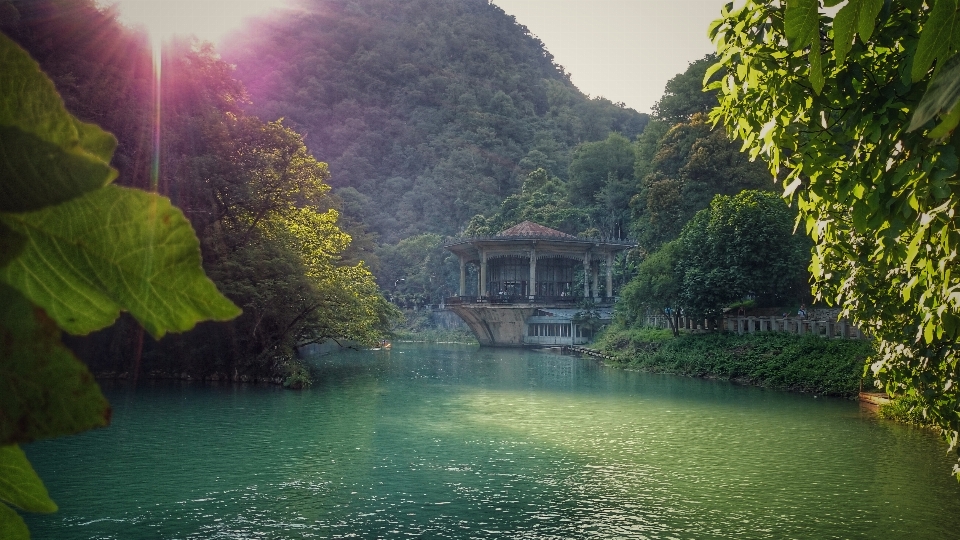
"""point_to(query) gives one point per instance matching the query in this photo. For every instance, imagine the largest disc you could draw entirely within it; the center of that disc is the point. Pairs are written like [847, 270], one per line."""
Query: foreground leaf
[12, 526]
[936, 39]
[941, 96]
[801, 19]
[44, 390]
[11, 244]
[114, 249]
[19, 484]
[46, 155]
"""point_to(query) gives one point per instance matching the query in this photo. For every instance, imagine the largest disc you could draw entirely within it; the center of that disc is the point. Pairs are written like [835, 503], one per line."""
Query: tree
[654, 288]
[682, 171]
[845, 109]
[684, 96]
[601, 179]
[543, 199]
[419, 269]
[741, 246]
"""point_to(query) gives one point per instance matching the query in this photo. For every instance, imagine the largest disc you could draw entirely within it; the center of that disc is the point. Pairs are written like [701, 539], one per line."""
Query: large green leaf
[800, 20]
[46, 155]
[114, 249]
[941, 96]
[856, 16]
[12, 526]
[11, 244]
[19, 484]
[936, 39]
[44, 390]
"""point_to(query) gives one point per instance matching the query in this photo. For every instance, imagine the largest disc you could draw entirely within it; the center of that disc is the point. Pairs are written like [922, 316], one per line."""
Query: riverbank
[780, 361]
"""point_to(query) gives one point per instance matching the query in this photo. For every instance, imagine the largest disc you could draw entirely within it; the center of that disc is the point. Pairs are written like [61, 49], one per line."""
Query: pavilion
[522, 271]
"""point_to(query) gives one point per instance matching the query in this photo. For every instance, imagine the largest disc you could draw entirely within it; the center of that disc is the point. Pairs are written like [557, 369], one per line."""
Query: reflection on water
[461, 442]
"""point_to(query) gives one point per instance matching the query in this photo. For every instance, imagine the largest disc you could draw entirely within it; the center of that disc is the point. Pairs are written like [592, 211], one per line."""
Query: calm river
[458, 442]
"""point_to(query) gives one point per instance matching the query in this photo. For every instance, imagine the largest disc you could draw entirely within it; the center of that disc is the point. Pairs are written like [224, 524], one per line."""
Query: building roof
[530, 229]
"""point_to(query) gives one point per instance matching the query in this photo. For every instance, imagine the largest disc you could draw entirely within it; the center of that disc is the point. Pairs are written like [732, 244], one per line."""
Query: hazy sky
[623, 50]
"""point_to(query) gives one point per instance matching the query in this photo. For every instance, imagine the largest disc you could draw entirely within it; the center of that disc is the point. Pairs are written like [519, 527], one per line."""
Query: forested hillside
[427, 111]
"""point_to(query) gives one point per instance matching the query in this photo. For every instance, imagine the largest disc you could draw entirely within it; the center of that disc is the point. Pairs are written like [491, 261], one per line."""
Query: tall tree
[684, 95]
[742, 246]
[685, 168]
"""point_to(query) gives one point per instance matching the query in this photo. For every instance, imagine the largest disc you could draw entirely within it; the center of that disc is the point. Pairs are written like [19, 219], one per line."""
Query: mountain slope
[428, 111]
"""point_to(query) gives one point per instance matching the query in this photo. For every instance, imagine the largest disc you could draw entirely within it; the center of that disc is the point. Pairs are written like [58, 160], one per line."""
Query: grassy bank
[781, 361]
[906, 410]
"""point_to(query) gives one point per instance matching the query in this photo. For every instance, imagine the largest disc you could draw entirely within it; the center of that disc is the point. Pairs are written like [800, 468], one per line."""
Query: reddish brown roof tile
[529, 228]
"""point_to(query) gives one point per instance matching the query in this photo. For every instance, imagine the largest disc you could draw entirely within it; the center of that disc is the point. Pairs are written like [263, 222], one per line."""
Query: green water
[459, 442]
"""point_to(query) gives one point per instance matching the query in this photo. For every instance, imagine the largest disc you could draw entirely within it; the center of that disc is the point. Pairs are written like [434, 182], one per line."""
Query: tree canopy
[741, 247]
[845, 108]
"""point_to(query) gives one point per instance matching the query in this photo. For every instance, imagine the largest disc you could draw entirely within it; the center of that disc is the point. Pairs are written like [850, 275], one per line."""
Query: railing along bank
[841, 329]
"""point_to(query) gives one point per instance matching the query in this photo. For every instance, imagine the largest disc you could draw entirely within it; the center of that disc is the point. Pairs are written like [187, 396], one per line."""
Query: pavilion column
[595, 270]
[609, 275]
[463, 276]
[533, 274]
[586, 275]
[483, 273]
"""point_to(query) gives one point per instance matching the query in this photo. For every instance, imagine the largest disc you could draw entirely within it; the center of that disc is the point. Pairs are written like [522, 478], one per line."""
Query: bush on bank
[781, 361]
[906, 410]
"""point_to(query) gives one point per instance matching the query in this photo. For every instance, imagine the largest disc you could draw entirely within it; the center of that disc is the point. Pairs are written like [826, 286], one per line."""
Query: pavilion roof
[531, 229]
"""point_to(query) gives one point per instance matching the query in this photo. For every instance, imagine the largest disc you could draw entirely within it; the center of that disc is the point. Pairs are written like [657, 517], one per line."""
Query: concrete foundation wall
[500, 326]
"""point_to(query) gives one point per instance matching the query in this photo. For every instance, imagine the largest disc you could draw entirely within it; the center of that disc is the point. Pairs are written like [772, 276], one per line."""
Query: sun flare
[209, 20]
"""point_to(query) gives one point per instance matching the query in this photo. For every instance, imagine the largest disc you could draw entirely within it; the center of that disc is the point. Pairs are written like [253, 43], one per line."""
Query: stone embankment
[586, 351]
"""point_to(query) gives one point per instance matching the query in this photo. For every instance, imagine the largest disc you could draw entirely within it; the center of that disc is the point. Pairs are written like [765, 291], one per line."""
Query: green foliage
[684, 95]
[77, 258]
[435, 335]
[418, 271]
[741, 246]
[543, 199]
[878, 200]
[270, 231]
[44, 392]
[20, 487]
[112, 249]
[680, 172]
[601, 181]
[904, 409]
[621, 338]
[35, 127]
[780, 361]
[274, 252]
[655, 287]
